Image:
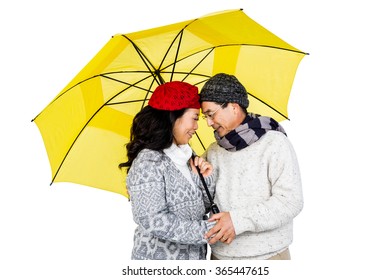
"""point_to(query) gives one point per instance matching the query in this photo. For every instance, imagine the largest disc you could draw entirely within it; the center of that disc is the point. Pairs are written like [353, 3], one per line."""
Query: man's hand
[223, 230]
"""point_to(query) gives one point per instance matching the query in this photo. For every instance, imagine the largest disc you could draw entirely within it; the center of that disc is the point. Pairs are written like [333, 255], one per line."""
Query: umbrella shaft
[214, 207]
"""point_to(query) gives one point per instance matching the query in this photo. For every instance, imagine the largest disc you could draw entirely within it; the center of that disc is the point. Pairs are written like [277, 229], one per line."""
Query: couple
[251, 169]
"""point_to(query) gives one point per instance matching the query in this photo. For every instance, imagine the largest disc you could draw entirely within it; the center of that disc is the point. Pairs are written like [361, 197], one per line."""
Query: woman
[167, 200]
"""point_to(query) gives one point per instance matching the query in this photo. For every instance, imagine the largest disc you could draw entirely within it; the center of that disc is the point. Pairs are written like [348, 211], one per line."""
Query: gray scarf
[248, 132]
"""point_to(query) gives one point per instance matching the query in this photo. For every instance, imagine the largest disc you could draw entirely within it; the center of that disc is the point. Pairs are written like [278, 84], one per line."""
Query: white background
[338, 127]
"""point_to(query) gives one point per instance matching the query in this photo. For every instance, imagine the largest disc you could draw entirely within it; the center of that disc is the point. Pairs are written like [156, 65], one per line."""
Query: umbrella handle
[214, 207]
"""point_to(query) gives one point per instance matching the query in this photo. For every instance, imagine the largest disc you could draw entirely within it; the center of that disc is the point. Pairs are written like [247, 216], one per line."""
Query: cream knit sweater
[261, 188]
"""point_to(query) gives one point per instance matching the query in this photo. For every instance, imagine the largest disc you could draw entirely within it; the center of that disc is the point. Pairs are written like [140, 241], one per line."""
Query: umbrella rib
[161, 80]
[95, 76]
[177, 53]
[126, 102]
[180, 35]
[144, 58]
[146, 61]
[123, 82]
[158, 70]
[269, 106]
[231, 45]
[75, 85]
[81, 130]
[104, 76]
[200, 61]
[278, 48]
[106, 103]
[130, 85]
[220, 46]
[175, 62]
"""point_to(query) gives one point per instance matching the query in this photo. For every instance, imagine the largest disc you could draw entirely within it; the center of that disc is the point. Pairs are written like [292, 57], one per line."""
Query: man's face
[219, 116]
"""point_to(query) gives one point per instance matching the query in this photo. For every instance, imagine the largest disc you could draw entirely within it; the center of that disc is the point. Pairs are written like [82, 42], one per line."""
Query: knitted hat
[223, 88]
[174, 96]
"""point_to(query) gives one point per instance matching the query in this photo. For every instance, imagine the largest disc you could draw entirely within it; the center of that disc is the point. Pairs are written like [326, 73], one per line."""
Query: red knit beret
[174, 96]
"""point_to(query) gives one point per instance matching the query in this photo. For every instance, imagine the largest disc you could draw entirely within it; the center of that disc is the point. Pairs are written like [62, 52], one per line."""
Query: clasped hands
[223, 230]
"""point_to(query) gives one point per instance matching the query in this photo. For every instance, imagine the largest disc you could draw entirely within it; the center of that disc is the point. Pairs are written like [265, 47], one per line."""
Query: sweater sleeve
[286, 199]
[150, 210]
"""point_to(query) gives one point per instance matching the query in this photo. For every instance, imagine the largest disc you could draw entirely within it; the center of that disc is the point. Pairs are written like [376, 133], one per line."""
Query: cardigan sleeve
[286, 199]
[149, 205]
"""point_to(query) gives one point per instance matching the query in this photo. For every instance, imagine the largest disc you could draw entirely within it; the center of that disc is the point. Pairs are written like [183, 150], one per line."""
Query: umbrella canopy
[86, 126]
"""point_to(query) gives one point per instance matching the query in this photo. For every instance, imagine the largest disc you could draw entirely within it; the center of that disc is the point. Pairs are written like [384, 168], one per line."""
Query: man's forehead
[207, 106]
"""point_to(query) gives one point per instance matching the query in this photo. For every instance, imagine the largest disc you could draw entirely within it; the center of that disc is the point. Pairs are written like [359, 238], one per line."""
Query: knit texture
[174, 96]
[167, 209]
[261, 188]
[224, 88]
[180, 156]
[252, 128]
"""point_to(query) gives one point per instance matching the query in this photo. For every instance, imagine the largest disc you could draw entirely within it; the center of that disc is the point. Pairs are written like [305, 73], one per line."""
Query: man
[258, 184]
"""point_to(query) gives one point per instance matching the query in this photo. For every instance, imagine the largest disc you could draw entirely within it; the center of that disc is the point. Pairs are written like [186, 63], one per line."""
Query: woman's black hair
[151, 129]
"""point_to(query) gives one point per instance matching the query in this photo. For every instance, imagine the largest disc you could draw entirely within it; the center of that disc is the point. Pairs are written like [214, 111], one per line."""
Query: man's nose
[210, 122]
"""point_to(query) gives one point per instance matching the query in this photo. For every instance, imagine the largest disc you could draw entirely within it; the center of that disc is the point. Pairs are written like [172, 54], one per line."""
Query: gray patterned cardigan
[167, 208]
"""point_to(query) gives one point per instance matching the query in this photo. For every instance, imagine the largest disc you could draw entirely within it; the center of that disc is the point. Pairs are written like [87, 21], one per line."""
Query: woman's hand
[206, 169]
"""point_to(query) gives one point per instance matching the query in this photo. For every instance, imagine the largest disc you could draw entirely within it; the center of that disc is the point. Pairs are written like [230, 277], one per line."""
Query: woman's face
[185, 126]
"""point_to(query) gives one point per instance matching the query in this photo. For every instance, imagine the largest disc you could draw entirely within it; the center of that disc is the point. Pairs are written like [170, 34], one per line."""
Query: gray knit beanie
[223, 88]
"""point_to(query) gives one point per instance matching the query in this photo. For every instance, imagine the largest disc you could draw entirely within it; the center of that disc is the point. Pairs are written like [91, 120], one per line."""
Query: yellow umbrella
[86, 126]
